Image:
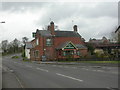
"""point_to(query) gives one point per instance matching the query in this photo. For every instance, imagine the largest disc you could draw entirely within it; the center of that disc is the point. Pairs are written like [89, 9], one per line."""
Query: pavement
[76, 63]
[34, 75]
[0, 71]
[9, 78]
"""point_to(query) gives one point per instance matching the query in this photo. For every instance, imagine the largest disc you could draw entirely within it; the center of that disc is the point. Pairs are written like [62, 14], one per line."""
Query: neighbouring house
[103, 45]
[28, 46]
[96, 42]
[104, 40]
[54, 44]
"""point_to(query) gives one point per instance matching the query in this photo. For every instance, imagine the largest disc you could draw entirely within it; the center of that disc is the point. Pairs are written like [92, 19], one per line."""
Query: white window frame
[50, 42]
[37, 41]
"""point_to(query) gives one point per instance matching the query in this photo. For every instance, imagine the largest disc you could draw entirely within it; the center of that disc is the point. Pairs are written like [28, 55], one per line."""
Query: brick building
[104, 40]
[57, 44]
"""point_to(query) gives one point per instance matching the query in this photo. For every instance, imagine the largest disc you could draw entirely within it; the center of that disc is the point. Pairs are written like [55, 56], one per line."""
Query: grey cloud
[109, 9]
[81, 13]
[59, 12]
[21, 6]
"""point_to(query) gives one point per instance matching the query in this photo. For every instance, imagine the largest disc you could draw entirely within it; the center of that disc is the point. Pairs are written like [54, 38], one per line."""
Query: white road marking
[53, 65]
[69, 77]
[42, 69]
[74, 67]
[100, 70]
[110, 88]
[19, 81]
[85, 68]
[66, 67]
[60, 66]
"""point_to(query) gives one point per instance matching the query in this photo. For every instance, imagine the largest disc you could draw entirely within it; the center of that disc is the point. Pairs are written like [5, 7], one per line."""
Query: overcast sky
[94, 19]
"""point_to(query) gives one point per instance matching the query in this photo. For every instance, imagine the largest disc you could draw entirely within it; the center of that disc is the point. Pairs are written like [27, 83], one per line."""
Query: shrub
[23, 54]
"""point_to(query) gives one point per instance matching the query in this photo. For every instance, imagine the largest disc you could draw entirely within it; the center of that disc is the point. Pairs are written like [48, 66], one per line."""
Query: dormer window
[48, 42]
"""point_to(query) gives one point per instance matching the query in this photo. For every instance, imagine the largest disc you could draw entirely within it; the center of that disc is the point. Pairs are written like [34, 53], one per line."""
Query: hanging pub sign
[33, 34]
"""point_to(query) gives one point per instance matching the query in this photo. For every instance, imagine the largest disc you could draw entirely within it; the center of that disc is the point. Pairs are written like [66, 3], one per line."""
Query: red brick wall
[83, 52]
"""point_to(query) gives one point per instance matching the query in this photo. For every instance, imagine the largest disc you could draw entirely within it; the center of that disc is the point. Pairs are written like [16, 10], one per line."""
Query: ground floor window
[78, 53]
[36, 53]
[68, 53]
[32, 53]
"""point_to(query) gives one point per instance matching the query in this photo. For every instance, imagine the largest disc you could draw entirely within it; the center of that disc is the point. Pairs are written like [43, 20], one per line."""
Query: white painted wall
[27, 53]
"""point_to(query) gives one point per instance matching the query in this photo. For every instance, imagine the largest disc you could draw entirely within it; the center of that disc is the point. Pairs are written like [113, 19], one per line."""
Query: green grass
[15, 57]
[113, 62]
[26, 60]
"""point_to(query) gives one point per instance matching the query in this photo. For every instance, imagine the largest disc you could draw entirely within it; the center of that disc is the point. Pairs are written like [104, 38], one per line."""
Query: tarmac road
[33, 75]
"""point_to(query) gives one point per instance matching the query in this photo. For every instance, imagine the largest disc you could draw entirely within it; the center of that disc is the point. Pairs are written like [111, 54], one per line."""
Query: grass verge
[112, 62]
[15, 57]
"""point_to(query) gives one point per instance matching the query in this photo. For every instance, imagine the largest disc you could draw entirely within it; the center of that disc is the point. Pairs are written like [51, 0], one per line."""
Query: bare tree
[24, 39]
[16, 44]
[4, 45]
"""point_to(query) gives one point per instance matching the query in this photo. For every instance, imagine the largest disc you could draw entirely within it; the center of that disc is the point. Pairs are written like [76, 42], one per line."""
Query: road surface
[20, 74]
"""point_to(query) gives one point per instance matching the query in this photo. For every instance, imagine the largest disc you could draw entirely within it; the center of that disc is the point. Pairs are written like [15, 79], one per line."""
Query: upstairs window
[48, 42]
[37, 41]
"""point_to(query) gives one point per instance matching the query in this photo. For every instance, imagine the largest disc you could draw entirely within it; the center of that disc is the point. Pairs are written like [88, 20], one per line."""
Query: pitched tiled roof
[59, 33]
[62, 45]
[66, 34]
[44, 33]
[80, 46]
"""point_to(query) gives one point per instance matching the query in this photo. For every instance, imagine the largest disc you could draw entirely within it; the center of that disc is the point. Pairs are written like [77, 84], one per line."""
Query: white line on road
[60, 66]
[19, 81]
[100, 70]
[66, 67]
[15, 62]
[69, 77]
[53, 65]
[42, 69]
[110, 88]
[74, 67]
[85, 68]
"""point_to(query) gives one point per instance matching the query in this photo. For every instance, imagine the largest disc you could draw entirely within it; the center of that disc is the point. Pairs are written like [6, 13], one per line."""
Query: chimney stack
[48, 28]
[75, 28]
[52, 28]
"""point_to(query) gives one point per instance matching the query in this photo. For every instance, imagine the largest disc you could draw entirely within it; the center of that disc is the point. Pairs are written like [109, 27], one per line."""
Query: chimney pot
[75, 28]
